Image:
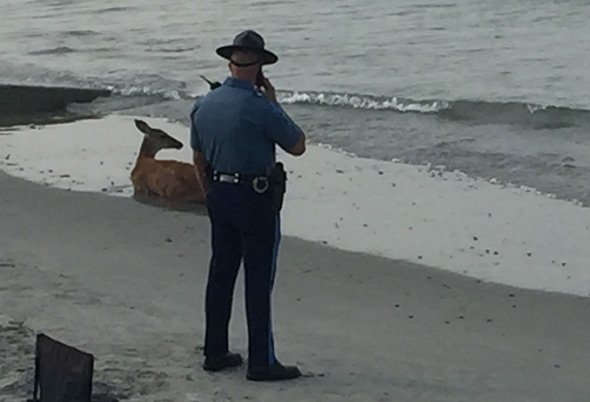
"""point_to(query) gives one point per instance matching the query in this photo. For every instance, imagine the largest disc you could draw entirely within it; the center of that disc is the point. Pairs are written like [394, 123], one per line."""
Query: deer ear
[142, 126]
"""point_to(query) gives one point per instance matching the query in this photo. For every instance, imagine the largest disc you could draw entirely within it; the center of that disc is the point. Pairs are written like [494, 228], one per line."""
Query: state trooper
[234, 131]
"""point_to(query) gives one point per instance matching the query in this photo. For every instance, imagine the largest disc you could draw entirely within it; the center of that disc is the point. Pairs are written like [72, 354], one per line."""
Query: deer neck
[147, 150]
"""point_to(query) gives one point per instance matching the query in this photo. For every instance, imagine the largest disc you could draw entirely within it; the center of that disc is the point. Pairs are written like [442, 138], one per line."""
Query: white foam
[362, 102]
[443, 219]
[146, 90]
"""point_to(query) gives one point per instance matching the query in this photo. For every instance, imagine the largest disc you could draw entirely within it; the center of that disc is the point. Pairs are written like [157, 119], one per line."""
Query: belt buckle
[260, 184]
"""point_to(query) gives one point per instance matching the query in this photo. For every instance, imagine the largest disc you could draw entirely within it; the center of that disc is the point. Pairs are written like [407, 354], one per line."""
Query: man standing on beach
[234, 130]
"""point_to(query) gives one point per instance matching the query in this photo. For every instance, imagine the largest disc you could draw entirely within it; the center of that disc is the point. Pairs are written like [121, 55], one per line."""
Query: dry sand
[125, 282]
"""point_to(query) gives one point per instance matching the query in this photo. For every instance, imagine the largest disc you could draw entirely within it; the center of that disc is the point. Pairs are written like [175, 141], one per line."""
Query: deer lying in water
[169, 179]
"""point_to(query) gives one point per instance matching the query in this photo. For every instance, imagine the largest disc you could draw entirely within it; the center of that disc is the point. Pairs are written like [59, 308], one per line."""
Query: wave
[475, 112]
[54, 50]
[362, 102]
[165, 94]
[537, 116]
[81, 32]
[162, 89]
[114, 9]
[479, 112]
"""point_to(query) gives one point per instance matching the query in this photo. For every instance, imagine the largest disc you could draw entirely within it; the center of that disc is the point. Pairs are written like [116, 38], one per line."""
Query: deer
[169, 179]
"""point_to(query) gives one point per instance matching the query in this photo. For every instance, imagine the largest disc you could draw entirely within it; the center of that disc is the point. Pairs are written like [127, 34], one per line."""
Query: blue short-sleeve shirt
[236, 128]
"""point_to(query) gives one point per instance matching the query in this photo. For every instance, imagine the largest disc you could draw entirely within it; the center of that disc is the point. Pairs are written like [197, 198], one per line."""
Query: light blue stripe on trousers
[275, 256]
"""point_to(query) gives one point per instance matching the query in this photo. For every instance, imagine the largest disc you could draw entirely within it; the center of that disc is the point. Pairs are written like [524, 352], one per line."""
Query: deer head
[155, 139]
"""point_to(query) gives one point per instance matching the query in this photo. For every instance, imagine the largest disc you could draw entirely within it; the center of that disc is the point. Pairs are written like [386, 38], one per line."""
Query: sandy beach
[125, 282]
[436, 232]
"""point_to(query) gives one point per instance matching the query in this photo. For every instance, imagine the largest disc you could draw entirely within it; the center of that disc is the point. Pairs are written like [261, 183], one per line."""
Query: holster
[278, 186]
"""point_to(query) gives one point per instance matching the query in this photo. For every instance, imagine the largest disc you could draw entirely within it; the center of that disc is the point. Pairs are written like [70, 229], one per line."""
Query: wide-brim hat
[248, 40]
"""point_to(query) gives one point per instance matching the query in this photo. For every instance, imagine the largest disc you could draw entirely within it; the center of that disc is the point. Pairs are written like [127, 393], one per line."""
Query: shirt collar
[236, 83]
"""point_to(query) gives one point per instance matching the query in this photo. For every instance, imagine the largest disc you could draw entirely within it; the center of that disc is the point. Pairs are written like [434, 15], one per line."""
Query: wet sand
[125, 281]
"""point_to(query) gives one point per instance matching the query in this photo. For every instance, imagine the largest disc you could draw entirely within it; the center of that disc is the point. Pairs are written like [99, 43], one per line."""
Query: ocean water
[498, 90]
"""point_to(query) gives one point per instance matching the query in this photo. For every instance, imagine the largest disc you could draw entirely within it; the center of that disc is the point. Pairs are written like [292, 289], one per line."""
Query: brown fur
[169, 179]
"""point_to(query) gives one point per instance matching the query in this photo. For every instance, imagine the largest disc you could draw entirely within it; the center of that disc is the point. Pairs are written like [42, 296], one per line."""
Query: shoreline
[419, 214]
[125, 281]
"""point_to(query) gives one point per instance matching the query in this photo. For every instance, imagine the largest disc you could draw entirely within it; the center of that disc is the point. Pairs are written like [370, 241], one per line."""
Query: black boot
[217, 363]
[275, 372]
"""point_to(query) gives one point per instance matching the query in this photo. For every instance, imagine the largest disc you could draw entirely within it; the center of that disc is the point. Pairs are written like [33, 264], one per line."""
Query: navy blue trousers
[243, 228]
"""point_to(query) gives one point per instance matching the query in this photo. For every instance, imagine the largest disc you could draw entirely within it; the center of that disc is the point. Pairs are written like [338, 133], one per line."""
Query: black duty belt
[259, 183]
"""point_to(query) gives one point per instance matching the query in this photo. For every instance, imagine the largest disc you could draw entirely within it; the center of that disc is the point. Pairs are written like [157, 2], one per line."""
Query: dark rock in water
[35, 99]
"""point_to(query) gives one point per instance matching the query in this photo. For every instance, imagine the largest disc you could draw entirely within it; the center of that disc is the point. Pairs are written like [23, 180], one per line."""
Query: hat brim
[267, 57]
